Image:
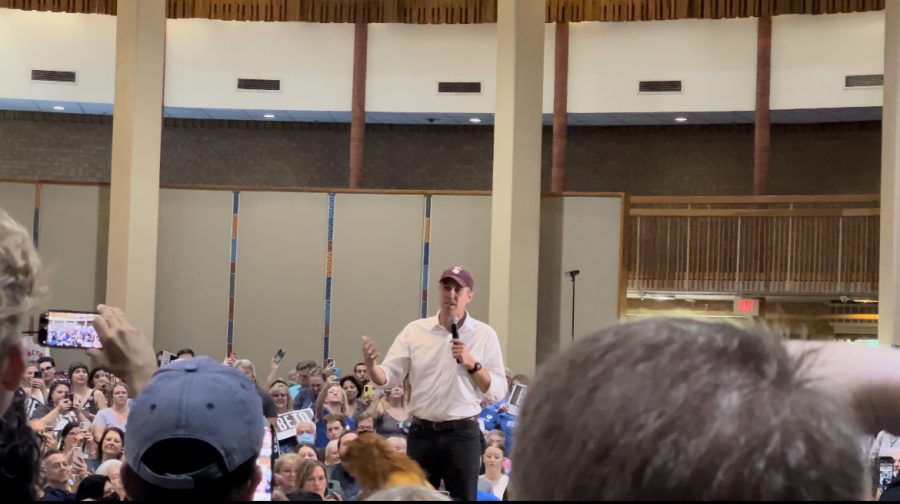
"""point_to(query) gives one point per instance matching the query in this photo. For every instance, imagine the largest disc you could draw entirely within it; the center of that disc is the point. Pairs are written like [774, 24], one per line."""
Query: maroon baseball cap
[460, 275]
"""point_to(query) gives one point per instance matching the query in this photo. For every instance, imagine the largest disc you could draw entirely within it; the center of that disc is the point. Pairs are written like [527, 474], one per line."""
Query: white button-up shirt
[442, 389]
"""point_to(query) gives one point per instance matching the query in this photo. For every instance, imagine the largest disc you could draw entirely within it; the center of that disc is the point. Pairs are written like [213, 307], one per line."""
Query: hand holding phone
[279, 355]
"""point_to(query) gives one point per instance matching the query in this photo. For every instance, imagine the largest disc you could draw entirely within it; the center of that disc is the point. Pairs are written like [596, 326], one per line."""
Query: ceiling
[819, 115]
[459, 11]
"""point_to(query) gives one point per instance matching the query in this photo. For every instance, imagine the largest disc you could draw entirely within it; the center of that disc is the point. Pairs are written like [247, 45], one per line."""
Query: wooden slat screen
[459, 11]
[831, 253]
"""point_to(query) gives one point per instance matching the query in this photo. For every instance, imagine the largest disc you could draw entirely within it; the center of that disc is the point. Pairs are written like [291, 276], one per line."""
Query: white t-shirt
[498, 488]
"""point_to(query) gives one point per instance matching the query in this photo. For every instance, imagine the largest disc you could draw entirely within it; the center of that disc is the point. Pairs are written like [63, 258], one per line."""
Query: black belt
[443, 426]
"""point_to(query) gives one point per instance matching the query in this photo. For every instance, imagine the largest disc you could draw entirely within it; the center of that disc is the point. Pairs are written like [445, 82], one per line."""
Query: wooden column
[889, 252]
[358, 105]
[516, 198]
[560, 109]
[136, 144]
[763, 127]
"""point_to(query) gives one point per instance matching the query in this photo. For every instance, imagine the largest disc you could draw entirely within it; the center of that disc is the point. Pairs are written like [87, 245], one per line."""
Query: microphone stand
[572, 274]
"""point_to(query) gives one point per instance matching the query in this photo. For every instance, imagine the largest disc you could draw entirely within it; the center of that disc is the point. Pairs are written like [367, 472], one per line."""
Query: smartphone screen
[886, 471]
[68, 329]
[278, 356]
[329, 363]
[39, 374]
[265, 461]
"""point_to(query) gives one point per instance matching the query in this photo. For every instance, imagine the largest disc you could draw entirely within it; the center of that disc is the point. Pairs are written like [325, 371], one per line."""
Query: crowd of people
[656, 409]
[79, 336]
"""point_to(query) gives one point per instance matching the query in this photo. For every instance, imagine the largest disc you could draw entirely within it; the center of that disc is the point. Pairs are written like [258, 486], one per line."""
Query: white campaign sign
[286, 425]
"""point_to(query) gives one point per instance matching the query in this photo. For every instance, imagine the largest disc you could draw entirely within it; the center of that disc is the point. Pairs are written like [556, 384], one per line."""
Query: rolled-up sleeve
[493, 362]
[396, 363]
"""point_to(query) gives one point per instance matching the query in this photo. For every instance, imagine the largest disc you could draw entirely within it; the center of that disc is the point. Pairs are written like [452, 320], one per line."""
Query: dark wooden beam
[358, 105]
[560, 109]
[763, 126]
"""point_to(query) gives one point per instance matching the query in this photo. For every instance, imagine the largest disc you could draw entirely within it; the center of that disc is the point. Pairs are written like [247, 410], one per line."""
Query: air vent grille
[673, 86]
[869, 80]
[52, 76]
[459, 87]
[260, 84]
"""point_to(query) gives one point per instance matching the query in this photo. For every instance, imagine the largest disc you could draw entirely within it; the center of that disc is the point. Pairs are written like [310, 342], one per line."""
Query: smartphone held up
[68, 329]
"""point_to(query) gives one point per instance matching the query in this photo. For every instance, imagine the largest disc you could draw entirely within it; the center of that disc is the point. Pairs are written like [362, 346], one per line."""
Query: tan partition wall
[18, 201]
[461, 235]
[193, 267]
[377, 271]
[578, 233]
[73, 239]
[280, 281]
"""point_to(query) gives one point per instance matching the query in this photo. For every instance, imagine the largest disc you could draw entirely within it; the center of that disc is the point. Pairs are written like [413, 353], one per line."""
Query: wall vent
[459, 87]
[52, 76]
[670, 86]
[868, 80]
[259, 84]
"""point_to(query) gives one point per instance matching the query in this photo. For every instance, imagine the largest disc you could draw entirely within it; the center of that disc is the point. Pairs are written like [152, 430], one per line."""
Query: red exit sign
[746, 306]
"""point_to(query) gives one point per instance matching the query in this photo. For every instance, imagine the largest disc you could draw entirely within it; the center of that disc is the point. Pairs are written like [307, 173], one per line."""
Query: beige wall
[18, 201]
[461, 235]
[73, 232]
[582, 233]
[280, 281]
[377, 271]
[280, 290]
[192, 268]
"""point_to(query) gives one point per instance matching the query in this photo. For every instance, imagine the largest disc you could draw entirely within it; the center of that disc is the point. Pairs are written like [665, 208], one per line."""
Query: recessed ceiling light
[269, 116]
[680, 119]
[474, 120]
[59, 107]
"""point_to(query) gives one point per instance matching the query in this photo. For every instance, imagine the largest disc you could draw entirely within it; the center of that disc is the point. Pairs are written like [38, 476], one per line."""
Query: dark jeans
[453, 455]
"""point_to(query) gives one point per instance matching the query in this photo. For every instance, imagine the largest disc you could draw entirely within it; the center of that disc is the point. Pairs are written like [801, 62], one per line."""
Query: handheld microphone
[454, 331]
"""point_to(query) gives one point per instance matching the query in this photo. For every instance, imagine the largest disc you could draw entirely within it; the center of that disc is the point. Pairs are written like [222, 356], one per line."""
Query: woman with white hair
[113, 470]
[247, 367]
[20, 292]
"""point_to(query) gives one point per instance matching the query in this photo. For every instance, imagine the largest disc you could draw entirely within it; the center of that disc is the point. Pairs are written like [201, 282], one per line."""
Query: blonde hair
[378, 407]
[21, 284]
[290, 458]
[320, 402]
[280, 387]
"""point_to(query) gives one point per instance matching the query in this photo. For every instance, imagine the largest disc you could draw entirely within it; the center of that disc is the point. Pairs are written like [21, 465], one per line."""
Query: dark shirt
[305, 399]
[268, 405]
[892, 492]
[349, 488]
[57, 494]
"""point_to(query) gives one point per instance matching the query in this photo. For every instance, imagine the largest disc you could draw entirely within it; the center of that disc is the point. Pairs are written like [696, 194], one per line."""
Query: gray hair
[306, 422]
[21, 287]
[687, 410]
[108, 467]
[407, 493]
[245, 363]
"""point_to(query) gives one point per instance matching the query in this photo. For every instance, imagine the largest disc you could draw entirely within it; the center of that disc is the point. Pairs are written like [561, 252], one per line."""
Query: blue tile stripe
[36, 223]
[235, 209]
[329, 258]
[426, 255]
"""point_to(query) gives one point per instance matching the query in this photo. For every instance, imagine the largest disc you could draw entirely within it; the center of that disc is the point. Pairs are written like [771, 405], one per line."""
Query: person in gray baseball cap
[194, 432]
